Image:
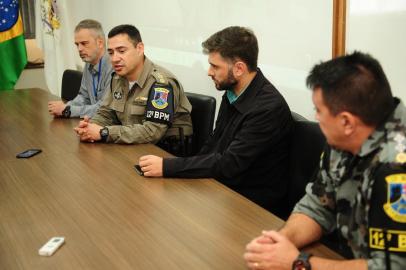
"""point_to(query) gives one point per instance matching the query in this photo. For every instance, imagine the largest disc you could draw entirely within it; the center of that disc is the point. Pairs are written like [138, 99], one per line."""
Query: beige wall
[293, 35]
[378, 27]
[32, 78]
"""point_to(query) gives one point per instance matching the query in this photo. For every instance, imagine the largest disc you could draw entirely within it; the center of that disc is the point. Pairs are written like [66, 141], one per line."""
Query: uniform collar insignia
[400, 146]
[118, 95]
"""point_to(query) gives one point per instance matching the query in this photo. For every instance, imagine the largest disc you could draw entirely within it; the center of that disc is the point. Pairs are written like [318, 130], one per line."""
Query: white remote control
[51, 246]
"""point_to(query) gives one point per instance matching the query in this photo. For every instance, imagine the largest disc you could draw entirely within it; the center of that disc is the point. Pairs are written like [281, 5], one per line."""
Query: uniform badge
[400, 147]
[141, 99]
[160, 100]
[395, 206]
[118, 95]
[401, 157]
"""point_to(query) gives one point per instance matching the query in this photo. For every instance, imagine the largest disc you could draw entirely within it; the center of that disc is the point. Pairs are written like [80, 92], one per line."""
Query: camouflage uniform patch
[395, 206]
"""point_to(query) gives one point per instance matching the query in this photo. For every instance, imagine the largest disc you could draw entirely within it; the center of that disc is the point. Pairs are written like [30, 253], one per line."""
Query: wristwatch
[104, 134]
[302, 262]
[66, 112]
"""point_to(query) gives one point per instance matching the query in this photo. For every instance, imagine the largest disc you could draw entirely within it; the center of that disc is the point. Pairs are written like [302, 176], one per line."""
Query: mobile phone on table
[28, 153]
[138, 169]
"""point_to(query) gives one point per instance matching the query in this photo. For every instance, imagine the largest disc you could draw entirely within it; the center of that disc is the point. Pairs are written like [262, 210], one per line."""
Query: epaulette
[159, 77]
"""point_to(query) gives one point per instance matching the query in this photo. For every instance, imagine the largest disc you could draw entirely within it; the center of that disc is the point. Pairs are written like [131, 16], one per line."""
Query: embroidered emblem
[395, 206]
[118, 95]
[395, 240]
[50, 16]
[160, 100]
[401, 157]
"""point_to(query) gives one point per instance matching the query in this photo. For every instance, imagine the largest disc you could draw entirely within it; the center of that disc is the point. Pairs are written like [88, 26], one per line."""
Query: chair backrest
[71, 80]
[306, 147]
[203, 111]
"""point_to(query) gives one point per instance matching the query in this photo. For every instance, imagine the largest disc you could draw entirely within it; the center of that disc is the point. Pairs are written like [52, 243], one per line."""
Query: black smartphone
[138, 169]
[28, 153]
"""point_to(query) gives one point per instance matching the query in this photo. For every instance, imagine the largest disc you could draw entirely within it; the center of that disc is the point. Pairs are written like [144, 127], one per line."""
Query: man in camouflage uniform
[146, 103]
[360, 189]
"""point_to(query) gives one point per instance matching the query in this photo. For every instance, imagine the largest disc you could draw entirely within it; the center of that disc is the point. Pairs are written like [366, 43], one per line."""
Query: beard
[227, 84]
[91, 57]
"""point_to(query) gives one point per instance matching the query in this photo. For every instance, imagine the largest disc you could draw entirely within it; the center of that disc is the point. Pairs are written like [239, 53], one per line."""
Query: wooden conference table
[111, 217]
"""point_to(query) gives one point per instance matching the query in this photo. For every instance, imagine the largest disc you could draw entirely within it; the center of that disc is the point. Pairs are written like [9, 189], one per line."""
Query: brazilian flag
[13, 56]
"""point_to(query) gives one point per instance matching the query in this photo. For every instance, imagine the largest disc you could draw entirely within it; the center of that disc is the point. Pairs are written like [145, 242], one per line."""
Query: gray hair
[93, 25]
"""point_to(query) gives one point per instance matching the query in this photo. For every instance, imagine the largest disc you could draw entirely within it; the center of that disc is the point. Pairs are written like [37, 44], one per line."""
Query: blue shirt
[86, 103]
[232, 97]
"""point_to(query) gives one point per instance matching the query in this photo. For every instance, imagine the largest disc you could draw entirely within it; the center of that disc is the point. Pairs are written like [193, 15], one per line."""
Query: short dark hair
[132, 32]
[355, 83]
[234, 43]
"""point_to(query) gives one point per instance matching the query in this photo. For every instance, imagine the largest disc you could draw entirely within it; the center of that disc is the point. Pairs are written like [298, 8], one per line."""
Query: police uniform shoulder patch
[395, 206]
[387, 209]
[160, 100]
[160, 107]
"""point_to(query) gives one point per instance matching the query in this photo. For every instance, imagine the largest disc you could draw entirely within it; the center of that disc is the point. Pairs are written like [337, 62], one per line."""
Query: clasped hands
[271, 250]
[88, 132]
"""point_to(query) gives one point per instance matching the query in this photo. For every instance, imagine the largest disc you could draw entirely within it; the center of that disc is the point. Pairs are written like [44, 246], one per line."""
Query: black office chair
[307, 144]
[203, 111]
[71, 80]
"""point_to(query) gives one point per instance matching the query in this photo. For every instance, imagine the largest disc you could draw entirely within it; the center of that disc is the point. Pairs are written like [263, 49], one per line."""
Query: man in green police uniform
[360, 189]
[146, 103]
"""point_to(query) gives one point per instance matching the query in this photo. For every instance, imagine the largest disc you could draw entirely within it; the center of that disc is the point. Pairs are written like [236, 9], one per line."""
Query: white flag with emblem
[54, 34]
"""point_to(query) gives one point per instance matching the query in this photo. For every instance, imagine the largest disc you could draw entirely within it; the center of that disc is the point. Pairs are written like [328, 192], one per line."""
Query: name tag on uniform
[395, 239]
[141, 99]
